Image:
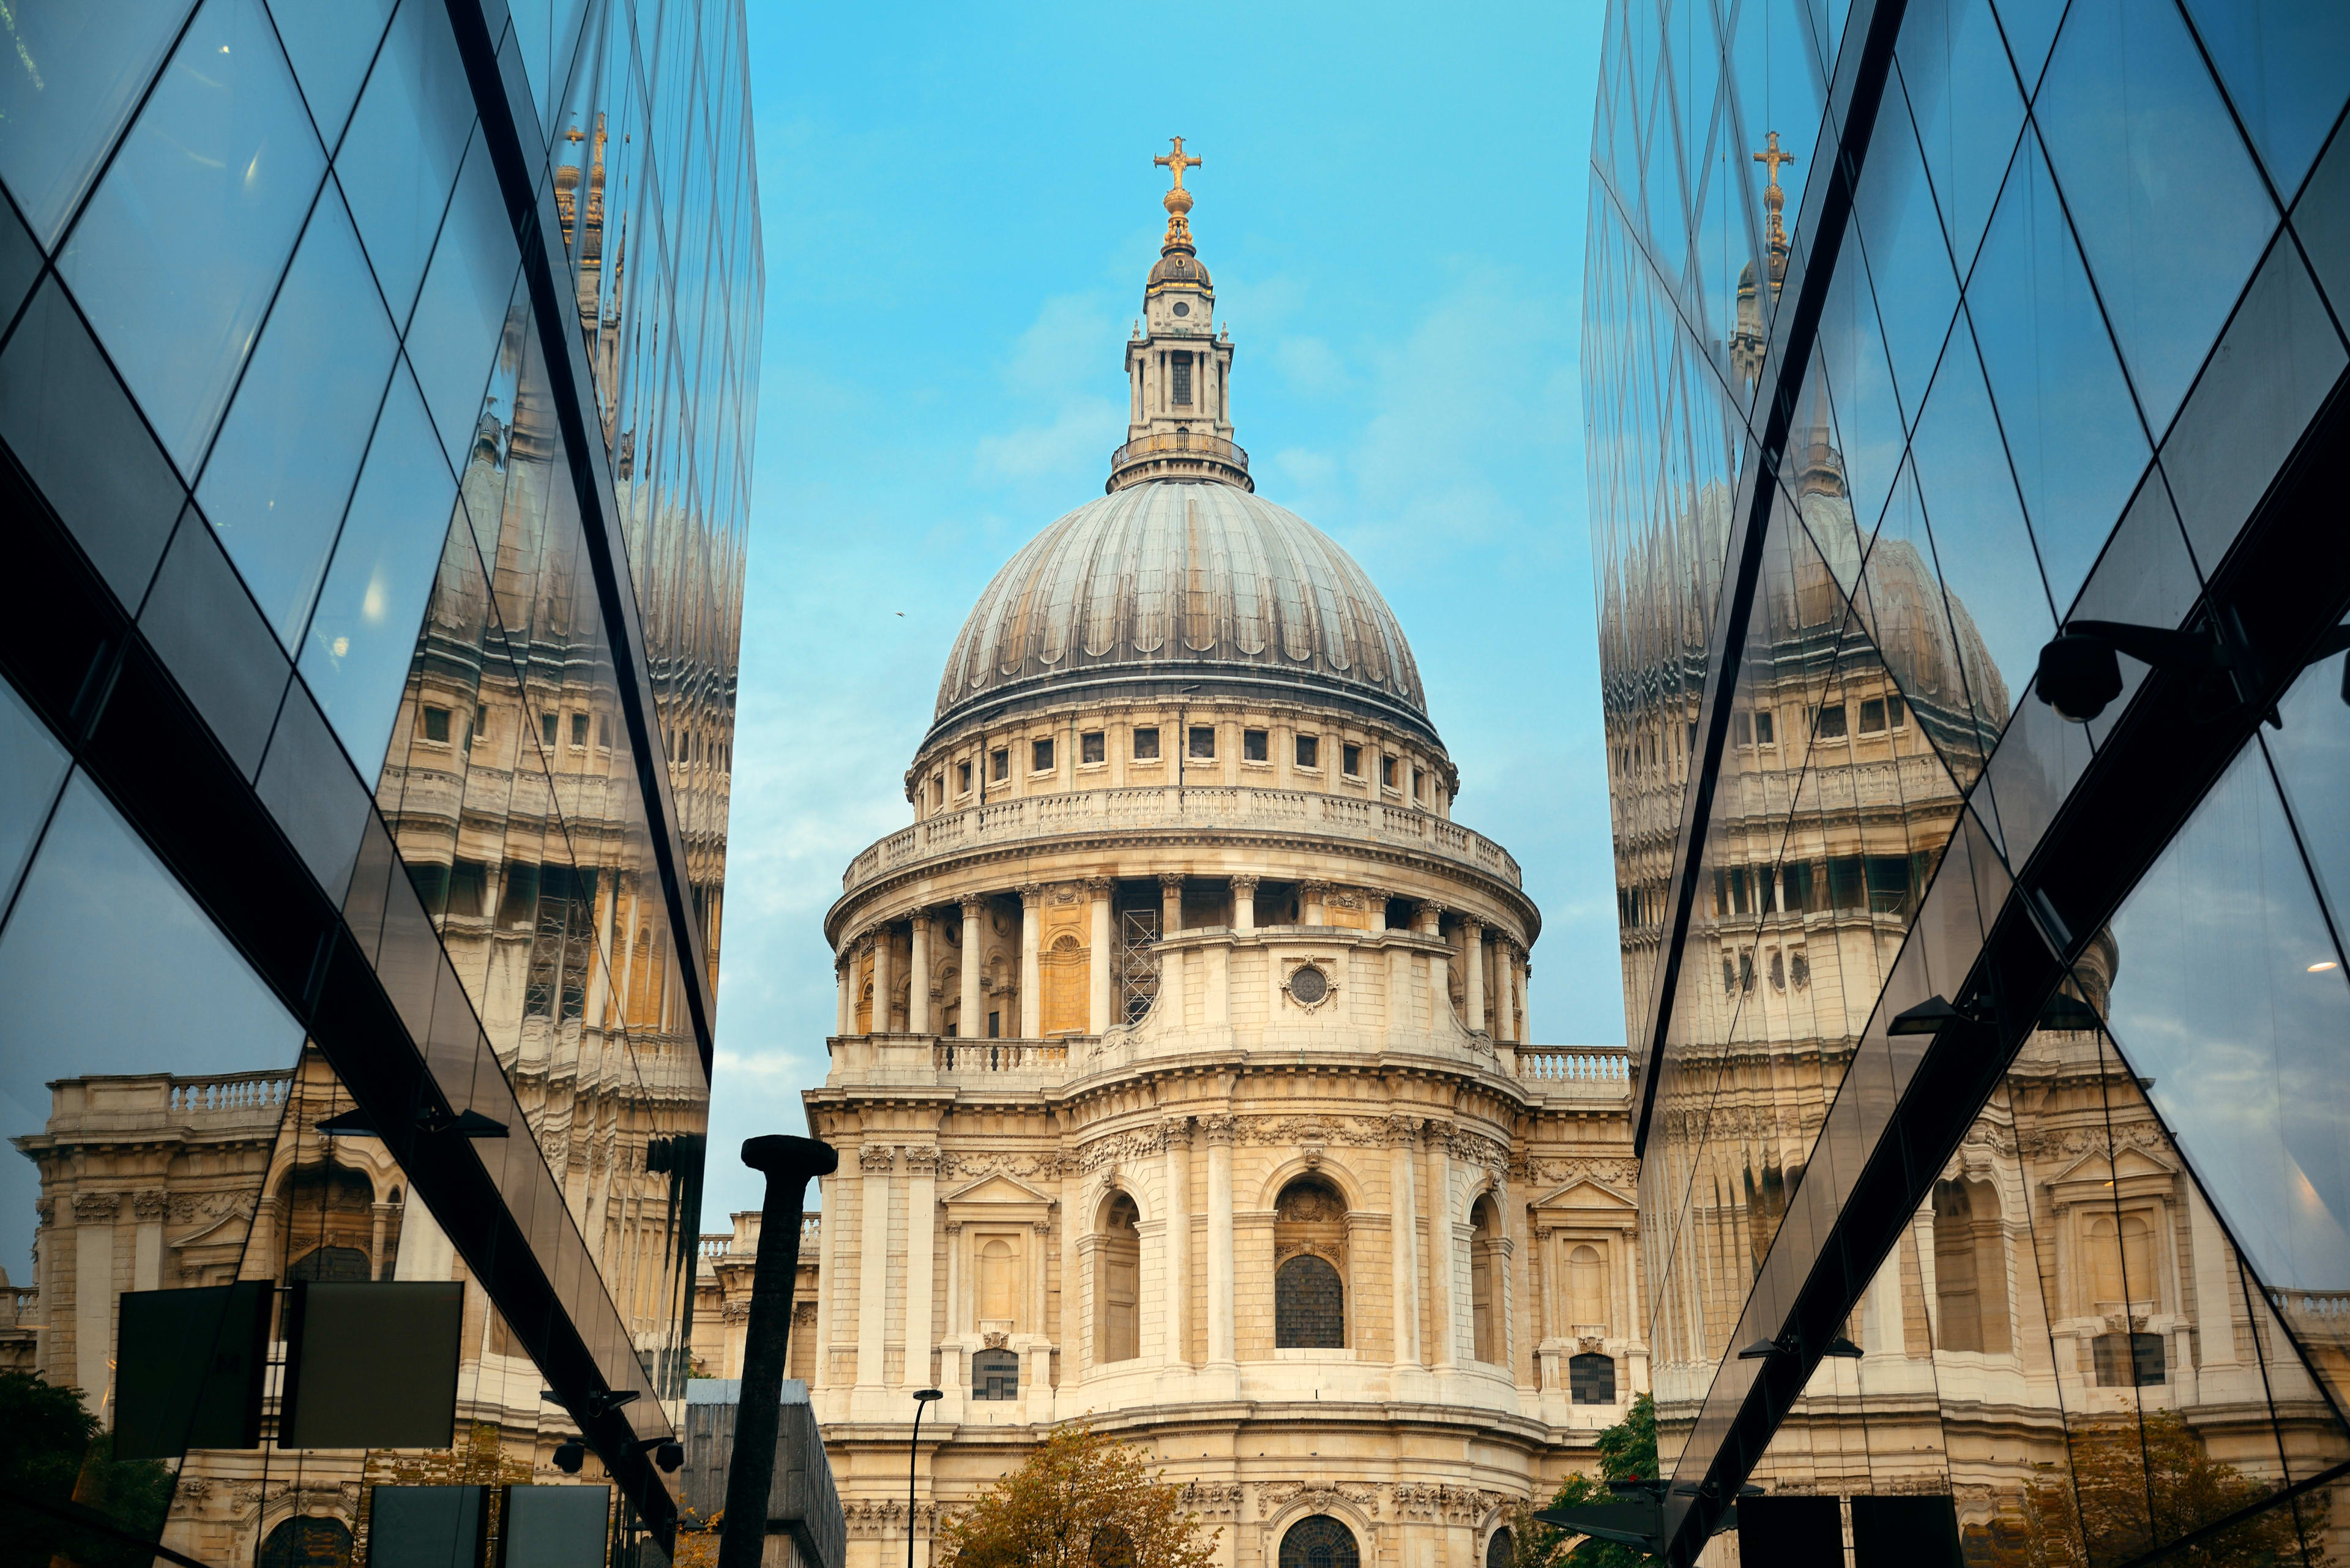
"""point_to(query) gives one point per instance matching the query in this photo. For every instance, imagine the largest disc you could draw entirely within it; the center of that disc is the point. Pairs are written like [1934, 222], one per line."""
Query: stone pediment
[999, 1189]
[1584, 1197]
[2132, 1173]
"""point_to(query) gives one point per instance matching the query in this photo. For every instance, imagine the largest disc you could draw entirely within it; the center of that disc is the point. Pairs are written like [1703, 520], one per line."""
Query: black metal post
[789, 1164]
[924, 1399]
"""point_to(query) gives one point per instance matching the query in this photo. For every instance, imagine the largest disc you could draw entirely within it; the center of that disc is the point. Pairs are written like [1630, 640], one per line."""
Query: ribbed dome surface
[1185, 582]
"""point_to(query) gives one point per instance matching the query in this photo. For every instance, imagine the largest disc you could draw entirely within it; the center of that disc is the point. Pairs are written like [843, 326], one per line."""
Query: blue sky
[960, 208]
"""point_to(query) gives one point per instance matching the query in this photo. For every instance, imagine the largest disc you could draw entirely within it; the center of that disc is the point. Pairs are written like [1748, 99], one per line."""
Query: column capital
[877, 1160]
[920, 920]
[974, 905]
[1312, 889]
[1042, 1227]
[1173, 882]
[1221, 1129]
[1403, 1131]
[1030, 895]
[1176, 1132]
[1474, 927]
[921, 1160]
[952, 1227]
[1428, 908]
[1243, 886]
[1100, 887]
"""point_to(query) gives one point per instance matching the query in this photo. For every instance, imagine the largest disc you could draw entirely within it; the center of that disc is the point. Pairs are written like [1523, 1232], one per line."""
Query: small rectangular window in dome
[1182, 367]
[1040, 756]
[1309, 752]
[436, 724]
[1092, 747]
[999, 765]
[1146, 745]
[1204, 743]
[1386, 773]
[1253, 747]
[1350, 758]
[963, 778]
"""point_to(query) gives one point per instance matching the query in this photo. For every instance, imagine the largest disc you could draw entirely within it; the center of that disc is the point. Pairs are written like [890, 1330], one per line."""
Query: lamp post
[924, 1399]
[789, 1165]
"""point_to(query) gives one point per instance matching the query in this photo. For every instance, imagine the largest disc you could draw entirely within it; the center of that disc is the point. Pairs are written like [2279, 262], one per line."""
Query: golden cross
[1771, 158]
[1177, 162]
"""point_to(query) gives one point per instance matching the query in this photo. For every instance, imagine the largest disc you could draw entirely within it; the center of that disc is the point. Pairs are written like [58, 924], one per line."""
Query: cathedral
[1181, 1076]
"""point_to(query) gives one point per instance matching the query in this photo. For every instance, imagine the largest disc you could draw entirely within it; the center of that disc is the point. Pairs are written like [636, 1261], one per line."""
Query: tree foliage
[52, 1448]
[1628, 1451]
[1081, 1501]
[2123, 1496]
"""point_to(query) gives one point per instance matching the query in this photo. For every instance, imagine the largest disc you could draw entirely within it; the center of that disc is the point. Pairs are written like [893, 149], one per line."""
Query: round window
[1182, 308]
[1308, 986]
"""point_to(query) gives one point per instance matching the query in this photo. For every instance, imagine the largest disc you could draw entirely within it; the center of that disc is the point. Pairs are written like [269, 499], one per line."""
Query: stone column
[1101, 1008]
[829, 1269]
[922, 1218]
[953, 1375]
[1441, 1250]
[1505, 1023]
[1309, 895]
[884, 983]
[1504, 1308]
[1171, 963]
[1221, 1130]
[1178, 1316]
[844, 972]
[1375, 904]
[1032, 990]
[1439, 982]
[1472, 974]
[1403, 1133]
[876, 1160]
[917, 982]
[381, 1213]
[973, 1024]
[1036, 1371]
[1244, 903]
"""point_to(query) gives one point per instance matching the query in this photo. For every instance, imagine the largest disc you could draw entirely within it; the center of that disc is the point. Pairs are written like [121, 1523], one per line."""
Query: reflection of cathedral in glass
[364, 773]
[1970, 1171]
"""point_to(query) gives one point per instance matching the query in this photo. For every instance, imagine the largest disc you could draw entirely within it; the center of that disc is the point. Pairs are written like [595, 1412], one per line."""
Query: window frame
[427, 713]
[1256, 746]
[1145, 734]
[1350, 759]
[1191, 752]
[1093, 749]
[1041, 758]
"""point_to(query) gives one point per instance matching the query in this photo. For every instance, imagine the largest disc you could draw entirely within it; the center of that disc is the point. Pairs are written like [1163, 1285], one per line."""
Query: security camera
[569, 1454]
[669, 1456]
[2078, 676]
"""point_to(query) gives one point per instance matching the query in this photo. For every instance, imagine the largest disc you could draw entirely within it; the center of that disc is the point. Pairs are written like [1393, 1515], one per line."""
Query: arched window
[995, 1374]
[1309, 1238]
[1118, 1283]
[307, 1541]
[1587, 1288]
[1309, 1306]
[1969, 1267]
[1319, 1542]
[1484, 1299]
[1062, 972]
[2121, 1261]
[1591, 1378]
[999, 1281]
[1500, 1549]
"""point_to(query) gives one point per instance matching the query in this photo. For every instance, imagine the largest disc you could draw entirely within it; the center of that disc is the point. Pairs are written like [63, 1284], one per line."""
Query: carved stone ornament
[995, 1339]
[877, 1160]
[1211, 1499]
[45, 1210]
[89, 1208]
[1447, 1504]
[1062, 894]
[1221, 1129]
[1316, 1496]
[146, 1205]
[1309, 985]
[1403, 1131]
[921, 1160]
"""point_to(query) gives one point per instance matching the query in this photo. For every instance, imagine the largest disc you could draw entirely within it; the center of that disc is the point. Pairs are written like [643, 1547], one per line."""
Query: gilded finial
[1178, 200]
[1773, 199]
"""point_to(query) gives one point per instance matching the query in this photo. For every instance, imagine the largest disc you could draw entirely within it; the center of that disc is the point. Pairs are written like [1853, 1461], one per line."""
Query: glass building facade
[1994, 1118]
[376, 382]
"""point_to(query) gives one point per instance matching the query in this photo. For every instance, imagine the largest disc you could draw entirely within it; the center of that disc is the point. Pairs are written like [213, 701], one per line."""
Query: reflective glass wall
[377, 383]
[1858, 448]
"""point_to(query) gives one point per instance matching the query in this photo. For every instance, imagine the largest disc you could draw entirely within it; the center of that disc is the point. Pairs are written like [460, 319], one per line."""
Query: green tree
[1081, 1501]
[53, 1449]
[2139, 1483]
[1628, 1451]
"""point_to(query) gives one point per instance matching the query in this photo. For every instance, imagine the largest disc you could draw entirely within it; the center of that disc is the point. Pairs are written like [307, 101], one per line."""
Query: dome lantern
[1178, 371]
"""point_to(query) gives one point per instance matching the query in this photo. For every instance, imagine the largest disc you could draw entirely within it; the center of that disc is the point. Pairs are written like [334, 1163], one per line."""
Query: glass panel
[71, 425]
[278, 477]
[2170, 209]
[405, 143]
[452, 340]
[77, 72]
[2311, 754]
[202, 624]
[32, 765]
[2232, 995]
[20, 262]
[2284, 63]
[2322, 220]
[1982, 547]
[331, 44]
[2277, 362]
[1868, 428]
[2030, 27]
[1906, 254]
[1962, 94]
[2072, 432]
[90, 992]
[364, 631]
[176, 257]
[1929, 641]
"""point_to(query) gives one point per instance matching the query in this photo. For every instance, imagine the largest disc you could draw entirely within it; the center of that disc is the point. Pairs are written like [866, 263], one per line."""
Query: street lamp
[924, 1399]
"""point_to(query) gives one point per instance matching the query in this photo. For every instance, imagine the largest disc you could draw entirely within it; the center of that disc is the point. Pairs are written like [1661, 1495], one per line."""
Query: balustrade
[1550, 1064]
[230, 1092]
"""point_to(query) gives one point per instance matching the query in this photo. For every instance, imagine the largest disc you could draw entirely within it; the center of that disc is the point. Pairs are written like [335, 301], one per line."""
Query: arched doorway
[1319, 1542]
[307, 1541]
[1500, 1549]
[1309, 1246]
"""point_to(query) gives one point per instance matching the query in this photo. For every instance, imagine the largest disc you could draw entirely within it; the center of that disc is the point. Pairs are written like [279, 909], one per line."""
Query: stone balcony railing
[2323, 1313]
[1233, 808]
[1577, 1072]
[719, 1245]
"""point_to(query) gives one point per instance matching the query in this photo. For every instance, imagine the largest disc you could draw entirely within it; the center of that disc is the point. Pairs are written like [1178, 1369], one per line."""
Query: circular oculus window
[1308, 986]
[1182, 308]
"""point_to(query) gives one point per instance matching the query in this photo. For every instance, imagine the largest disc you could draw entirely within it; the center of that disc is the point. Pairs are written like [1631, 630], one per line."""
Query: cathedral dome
[1166, 582]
